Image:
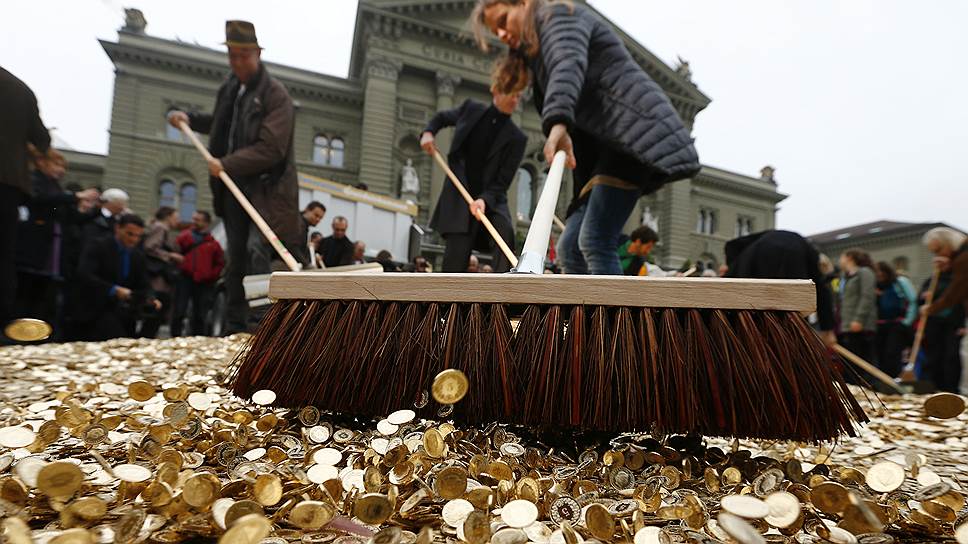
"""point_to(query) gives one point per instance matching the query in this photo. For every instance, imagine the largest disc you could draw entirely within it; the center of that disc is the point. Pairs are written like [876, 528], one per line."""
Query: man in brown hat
[250, 136]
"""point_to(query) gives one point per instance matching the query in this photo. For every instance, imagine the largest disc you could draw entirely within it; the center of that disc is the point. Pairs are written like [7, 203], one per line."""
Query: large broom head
[719, 357]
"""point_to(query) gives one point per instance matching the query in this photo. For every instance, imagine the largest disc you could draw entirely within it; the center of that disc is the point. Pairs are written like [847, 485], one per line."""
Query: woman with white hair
[946, 315]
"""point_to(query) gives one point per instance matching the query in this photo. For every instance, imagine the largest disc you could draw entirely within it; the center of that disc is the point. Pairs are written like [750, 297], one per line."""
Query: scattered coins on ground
[141, 441]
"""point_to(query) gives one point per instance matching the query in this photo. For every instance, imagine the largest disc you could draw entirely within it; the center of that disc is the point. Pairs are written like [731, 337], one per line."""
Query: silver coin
[565, 509]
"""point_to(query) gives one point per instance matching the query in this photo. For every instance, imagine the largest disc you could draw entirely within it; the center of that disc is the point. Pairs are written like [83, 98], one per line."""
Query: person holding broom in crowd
[485, 154]
[250, 138]
[622, 136]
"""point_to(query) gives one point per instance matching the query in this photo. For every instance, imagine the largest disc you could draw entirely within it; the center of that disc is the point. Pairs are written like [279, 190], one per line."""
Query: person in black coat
[622, 136]
[20, 124]
[336, 249]
[41, 236]
[785, 255]
[112, 283]
[485, 154]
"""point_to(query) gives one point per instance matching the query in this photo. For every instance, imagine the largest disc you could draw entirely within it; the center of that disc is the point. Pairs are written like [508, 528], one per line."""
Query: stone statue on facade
[683, 69]
[134, 21]
[409, 181]
[650, 220]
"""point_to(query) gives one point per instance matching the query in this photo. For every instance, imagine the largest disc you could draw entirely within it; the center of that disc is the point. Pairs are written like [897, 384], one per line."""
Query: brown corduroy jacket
[20, 123]
[262, 162]
[957, 291]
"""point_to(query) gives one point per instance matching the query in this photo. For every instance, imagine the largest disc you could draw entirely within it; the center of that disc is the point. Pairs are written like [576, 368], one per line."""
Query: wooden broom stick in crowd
[480, 215]
[871, 369]
[725, 357]
[923, 321]
[274, 240]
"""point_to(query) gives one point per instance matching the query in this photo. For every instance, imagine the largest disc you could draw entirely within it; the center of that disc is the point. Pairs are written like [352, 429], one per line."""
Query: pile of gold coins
[136, 441]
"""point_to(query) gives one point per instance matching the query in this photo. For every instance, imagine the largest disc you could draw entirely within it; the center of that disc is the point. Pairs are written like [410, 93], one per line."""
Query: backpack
[892, 304]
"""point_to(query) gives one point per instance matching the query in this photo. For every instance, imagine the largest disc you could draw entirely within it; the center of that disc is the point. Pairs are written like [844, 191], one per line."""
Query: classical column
[379, 121]
[678, 222]
[446, 84]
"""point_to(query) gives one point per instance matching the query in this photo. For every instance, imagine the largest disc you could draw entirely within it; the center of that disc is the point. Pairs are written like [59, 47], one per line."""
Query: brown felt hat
[240, 34]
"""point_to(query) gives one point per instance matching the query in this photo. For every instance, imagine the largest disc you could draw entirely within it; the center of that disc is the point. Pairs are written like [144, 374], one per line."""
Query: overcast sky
[861, 105]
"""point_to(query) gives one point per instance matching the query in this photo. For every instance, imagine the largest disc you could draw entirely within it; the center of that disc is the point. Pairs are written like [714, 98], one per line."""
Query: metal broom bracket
[532, 259]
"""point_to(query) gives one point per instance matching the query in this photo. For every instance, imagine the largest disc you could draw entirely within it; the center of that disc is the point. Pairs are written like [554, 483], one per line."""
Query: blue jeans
[589, 244]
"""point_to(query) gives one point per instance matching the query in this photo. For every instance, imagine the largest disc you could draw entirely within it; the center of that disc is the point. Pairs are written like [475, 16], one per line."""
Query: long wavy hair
[511, 74]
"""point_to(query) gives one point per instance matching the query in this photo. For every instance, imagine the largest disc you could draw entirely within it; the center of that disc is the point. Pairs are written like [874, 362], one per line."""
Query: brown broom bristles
[725, 373]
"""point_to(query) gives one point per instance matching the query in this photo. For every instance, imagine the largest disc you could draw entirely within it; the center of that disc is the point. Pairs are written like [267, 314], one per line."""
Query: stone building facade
[409, 59]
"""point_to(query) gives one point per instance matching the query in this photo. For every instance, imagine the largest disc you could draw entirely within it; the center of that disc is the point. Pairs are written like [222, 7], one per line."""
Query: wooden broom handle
[871, 369]
[923, 321]
[480, 215]
[246, 205]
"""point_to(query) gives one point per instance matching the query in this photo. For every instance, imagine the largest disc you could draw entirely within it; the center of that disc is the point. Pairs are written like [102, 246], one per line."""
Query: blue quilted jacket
[585, 77]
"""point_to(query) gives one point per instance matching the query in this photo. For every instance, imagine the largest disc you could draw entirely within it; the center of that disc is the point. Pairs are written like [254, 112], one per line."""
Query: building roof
[865, 230]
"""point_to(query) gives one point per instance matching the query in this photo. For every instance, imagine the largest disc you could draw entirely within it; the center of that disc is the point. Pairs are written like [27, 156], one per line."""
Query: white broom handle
[536, 244]
[274, 240]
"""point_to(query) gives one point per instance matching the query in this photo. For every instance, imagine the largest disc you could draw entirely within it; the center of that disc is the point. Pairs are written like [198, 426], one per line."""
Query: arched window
[187, 201]
[336, 149]
[321, 149]
[166, 193]
[525, 194]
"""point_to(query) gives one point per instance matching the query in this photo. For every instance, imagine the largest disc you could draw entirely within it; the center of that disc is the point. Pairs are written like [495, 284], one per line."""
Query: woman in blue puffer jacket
[621, 133]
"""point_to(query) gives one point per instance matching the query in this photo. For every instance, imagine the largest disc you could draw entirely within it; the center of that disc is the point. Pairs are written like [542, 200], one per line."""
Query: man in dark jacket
[785, 255]
[20, 124]
[112, 283]
[41, 236]
[485, 154]
[336, 249]
[250, 138]
[200, 269]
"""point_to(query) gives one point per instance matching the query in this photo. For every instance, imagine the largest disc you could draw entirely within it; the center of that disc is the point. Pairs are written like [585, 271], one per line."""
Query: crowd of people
[93, 270]
[879, 309]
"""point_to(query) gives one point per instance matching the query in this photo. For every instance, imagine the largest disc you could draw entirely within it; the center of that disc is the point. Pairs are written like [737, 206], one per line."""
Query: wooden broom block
[723, 293]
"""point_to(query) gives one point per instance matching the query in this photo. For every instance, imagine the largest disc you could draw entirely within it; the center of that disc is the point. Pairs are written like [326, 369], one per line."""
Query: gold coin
[127, 527]
[267, 489]
[157, 494]
[499, 470]
[477, 528]
[250, 529]
[372, 508]
[28, 330]
[141, 390]
[451, 483]
[885, 477]
[60, 479]
[944, 405]
[599, 522]
[830, 497]
[389, 535]
[433, 443]
[17, 531]
[449, 386]
[241, 509]
[311, 515]
[939, 511]
[201, 489]
[73, 536]
[89, 508]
